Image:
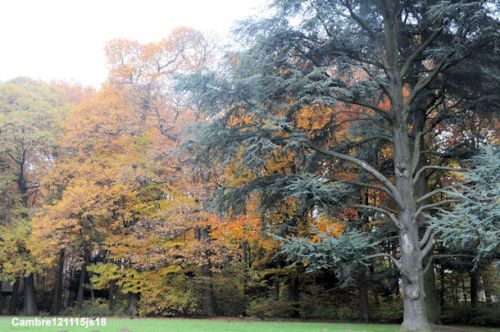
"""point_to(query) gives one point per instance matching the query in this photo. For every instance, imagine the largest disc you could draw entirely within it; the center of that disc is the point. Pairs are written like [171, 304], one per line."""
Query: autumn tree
[115, 187]
[358, 53]
[29, 119]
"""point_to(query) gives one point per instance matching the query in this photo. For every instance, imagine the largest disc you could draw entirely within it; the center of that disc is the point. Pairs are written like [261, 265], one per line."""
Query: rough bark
[57, 300]
[421, 189]
[415, 314]
[29, 308]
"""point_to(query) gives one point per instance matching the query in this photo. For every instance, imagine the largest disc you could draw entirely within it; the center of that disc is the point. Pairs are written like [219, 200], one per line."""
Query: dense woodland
[340, 163]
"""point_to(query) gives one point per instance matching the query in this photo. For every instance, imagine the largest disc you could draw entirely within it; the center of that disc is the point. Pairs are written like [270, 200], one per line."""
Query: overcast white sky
[64, 39]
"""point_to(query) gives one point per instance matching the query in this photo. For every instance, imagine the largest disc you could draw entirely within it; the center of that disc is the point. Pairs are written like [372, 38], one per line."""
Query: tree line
[347, 149]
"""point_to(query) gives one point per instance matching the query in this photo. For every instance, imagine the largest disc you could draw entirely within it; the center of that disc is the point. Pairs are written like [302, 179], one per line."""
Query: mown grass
[212, 325]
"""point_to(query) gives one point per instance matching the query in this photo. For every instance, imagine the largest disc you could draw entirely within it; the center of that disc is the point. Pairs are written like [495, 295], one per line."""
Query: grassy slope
[218, 325]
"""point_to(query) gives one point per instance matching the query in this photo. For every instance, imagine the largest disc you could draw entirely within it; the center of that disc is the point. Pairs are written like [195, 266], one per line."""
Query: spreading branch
[371, 33]
[429, 246]
[432, 257]
[391, 214]
[424, 82]
[426, 236]
[444, 168]
[396, 262]
[433, 205]
[418, 51]
[366, 185]
[379, 176]
[369, 105]
[430, 194]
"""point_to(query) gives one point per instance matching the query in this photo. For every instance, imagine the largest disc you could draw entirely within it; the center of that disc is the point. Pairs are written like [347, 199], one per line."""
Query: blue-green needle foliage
[344, 253]
[474, 222]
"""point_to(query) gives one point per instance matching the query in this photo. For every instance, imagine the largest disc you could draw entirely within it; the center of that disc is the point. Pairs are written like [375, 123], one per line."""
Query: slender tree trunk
[113, 290]
[363, 296]
[464, 290]
[207, 292]
[81, 281]
[132, 305]
[112, 296]
[376, 299]
[92, 296]
[292, 292]
[81, 287]
[29, 308]
[454, 291]
[2, 299]
[246, 265]
[474, 288]
[13, 297]
[276, 289]
[442, 288]
[486, 287]
[57, 300]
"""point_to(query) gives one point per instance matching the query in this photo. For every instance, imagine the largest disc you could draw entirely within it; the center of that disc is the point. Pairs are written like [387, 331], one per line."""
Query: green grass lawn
[216, 325]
